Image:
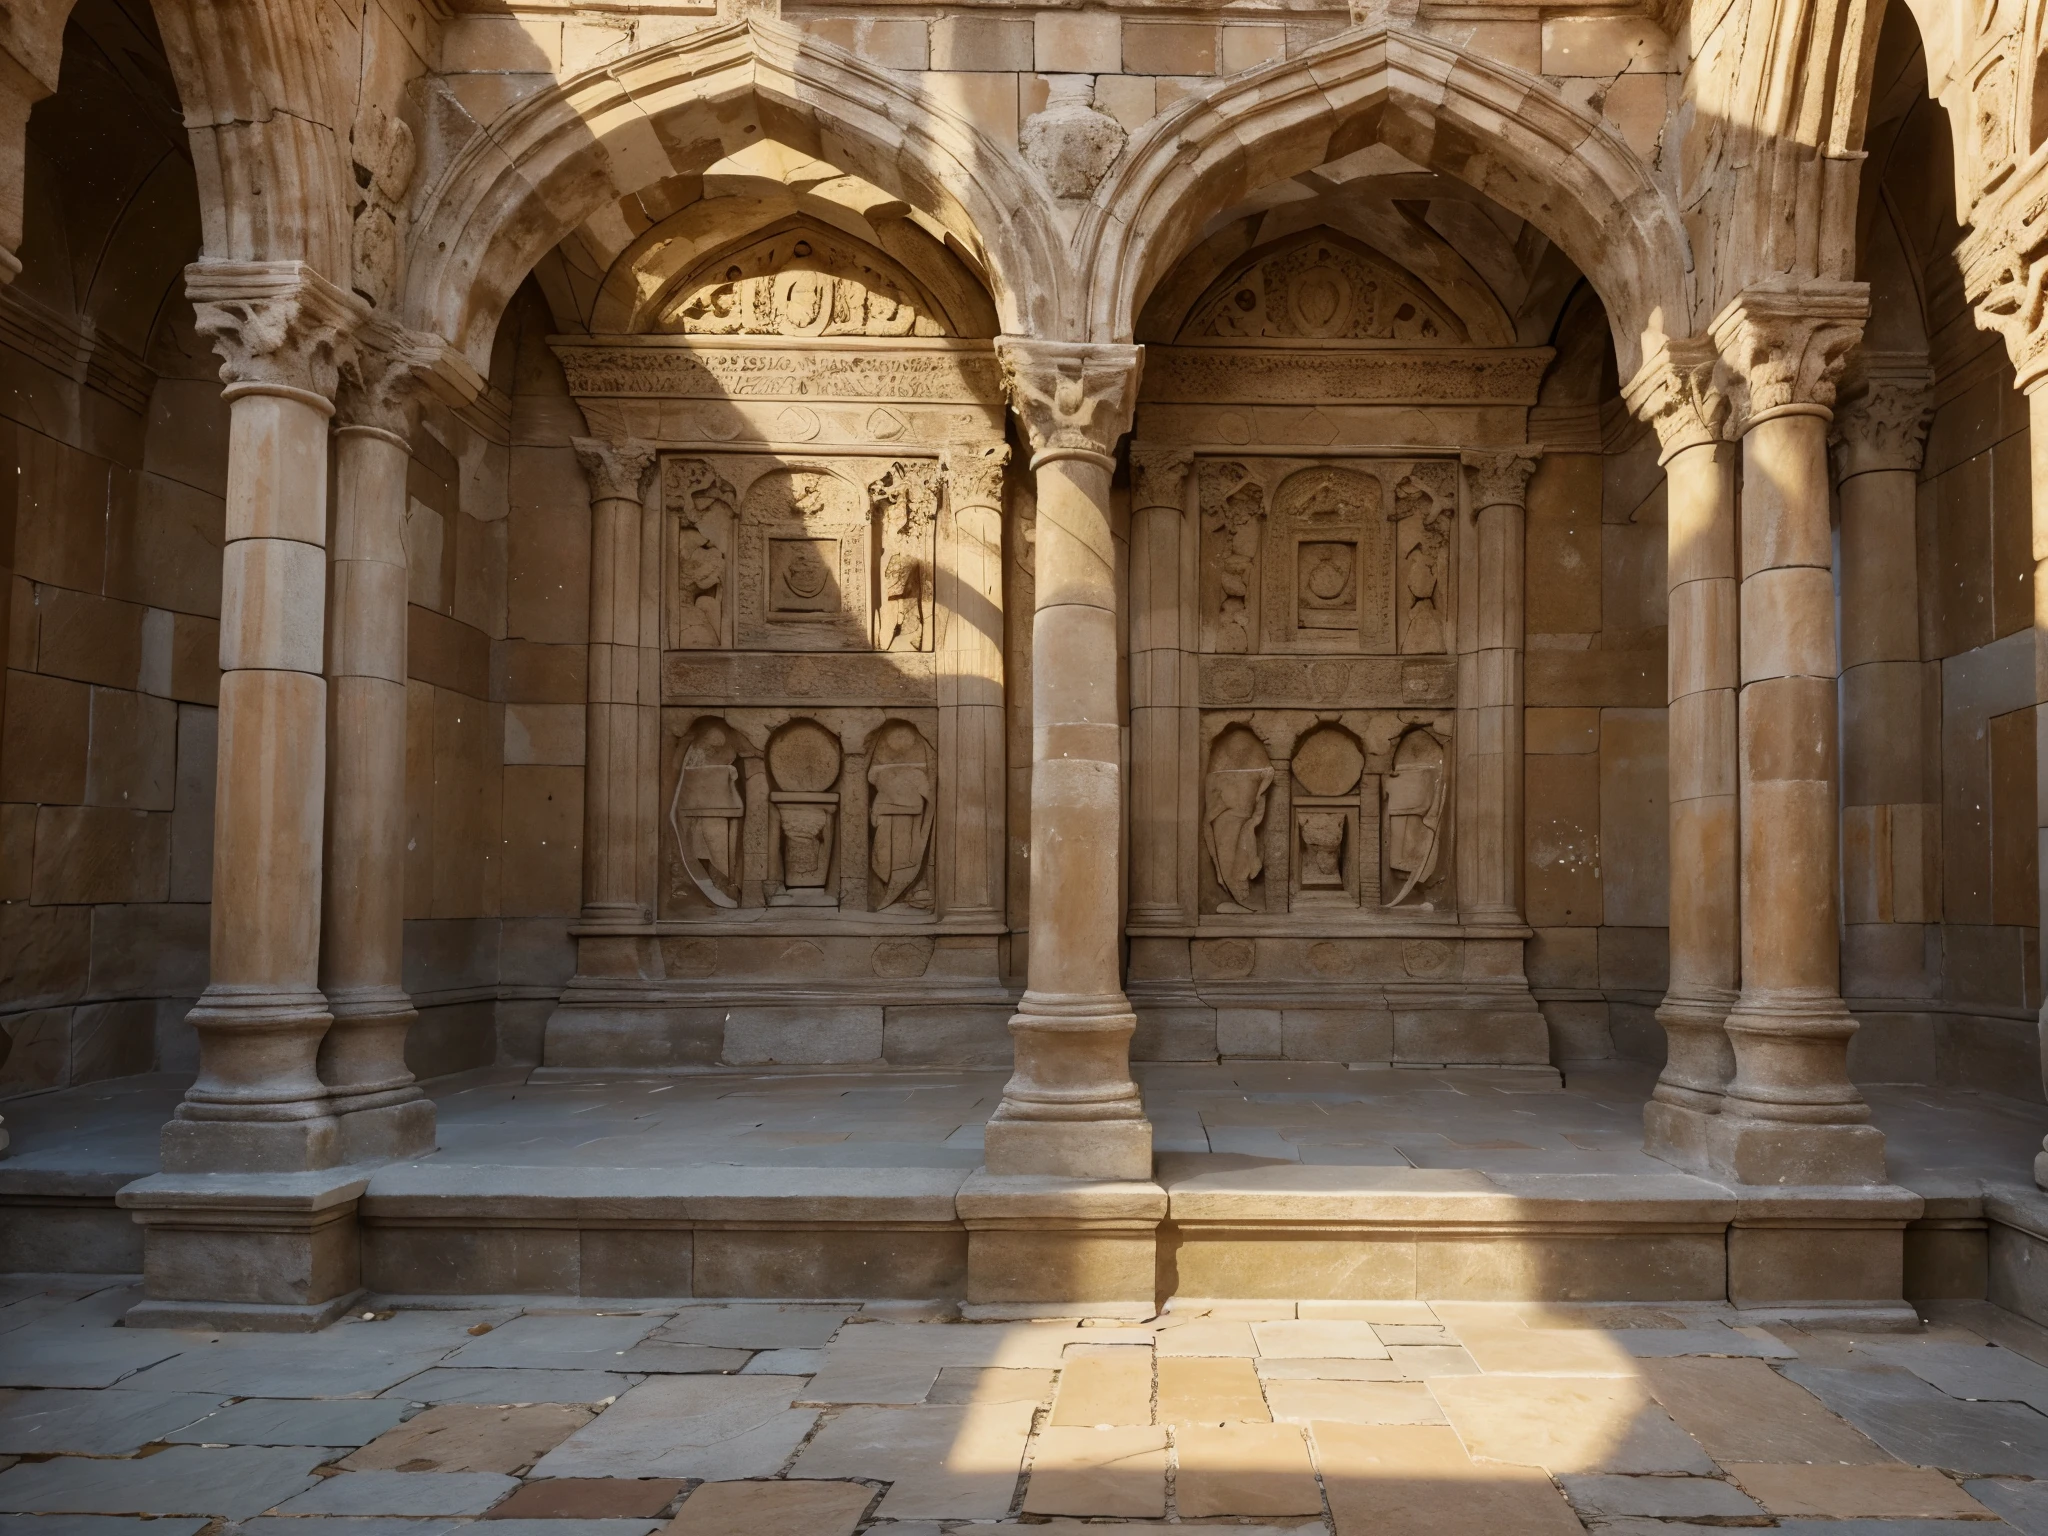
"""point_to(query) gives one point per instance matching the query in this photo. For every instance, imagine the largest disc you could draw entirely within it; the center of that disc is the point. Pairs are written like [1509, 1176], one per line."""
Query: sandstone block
[986, 44]
[1077, 42]
[1167, 48]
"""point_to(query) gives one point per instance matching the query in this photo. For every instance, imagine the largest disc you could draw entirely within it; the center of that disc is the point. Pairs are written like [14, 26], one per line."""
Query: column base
[388, 1133]
[250, 1146]
[1049, 1247]
[1678, 1134]
[1069, 1149]
[1782, 1152]
[264, 1252]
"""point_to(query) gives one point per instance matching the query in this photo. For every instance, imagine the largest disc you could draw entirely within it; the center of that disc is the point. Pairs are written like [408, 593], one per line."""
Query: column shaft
[1163, 807]
[362, 1059]
[1491, 631]
[1070, 1107]
[971, 725]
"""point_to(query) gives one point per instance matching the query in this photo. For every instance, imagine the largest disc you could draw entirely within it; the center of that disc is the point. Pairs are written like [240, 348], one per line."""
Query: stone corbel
[279, 327]
[1682, 392]
[1075, 399]
[1787, 345]
[1882, 418]
[1500, 476]
[1159, 476]
[618, 468]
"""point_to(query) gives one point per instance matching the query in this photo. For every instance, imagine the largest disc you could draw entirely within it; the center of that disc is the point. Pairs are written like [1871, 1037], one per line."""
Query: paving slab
[1105, 1386]
[568, 1527]
[755, 1325]
[715, 1427]
[107, 1525]
[339, 1362]
[768, 1362]
[1416, 1480]
[1353, 1402]
[884, 1363]
[1494, 1336]
[232, 1481]
[471, 1437]
[294, 1421]
[991, 1384]
[1923, 1425]
[1848, 1493]
[1206, 1336]
[346, 1525]
[1667, 1498]
[1743, 1410]
[1567, 1424]
[1424, 1362]
[402, 1493]
[590, 1498]
[1209, 1390]
[1657, 1343]
[773, 1509]
[1331, 1370]
[2022, 1505]
[942, 1462]
[558, 1342]
[1244, 1469]
[1103, 1472]
[486, 1385]
[87, 1423]
[1329, 1340]
[36, 1357]
[654, 1357]
[1981, 1372]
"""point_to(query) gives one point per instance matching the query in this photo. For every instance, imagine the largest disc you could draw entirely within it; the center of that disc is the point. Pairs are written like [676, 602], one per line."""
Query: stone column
[2035, 381]
[1678, 392]
[1070, 1108]
[383, 1113]
[1790, 1115]
[613, 770]
[1890, 811]
[258, 1103]
[1490, 629]
[971, 726]
[1164, 806]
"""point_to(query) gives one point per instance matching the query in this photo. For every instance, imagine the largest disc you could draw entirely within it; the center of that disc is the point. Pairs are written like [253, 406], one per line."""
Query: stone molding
[279, 327]
[1881, 423]
[1367, 375]
[1786, 346]
[1681, 392]
[1073, 398]
[776, 368]
[974, 473]
[618, 471]
[1159, 476]
[1500, 477]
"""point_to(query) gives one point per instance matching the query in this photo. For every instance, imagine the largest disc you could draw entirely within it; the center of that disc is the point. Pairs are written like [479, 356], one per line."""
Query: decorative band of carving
[1362, 376]
[693, 368]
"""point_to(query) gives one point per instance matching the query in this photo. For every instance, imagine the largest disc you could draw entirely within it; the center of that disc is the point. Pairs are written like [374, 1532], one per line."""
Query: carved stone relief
[699, 502]
[1425, 512]
[1336, 822]
[802, 282]
[803, 562]
[803, 772]
[1234, 809]
[906, 504]
[1328, 581]
[1233, 508]
[705, 813]
[1417, 797]
[902, 795]
[1319, 289]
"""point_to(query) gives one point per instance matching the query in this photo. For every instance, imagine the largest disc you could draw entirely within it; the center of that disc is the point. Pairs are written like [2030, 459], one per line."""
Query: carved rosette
[1500, 477]
[1680, 391]
[1786, 347]
[279, 327]
[1883, 424]
[974, 473]
[1074, 399]
[618, 470]
[1159, 476]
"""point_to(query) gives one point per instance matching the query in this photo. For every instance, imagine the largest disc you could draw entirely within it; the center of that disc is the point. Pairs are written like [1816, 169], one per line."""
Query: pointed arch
[513, 193]
[1501, 132]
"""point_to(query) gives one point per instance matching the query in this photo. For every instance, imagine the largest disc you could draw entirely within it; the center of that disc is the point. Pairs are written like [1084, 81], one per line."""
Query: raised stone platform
[1273, 1179]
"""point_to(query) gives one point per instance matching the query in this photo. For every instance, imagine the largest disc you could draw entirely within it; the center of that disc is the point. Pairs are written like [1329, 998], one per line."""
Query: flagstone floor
[814, 1419]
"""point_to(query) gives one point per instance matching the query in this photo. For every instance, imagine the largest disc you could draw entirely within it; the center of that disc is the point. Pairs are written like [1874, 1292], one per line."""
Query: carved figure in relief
[906, 499]
[1415, 811]
[702, 501]
[1232, 503]
[1240, 774]
[705, 814]
[1425, 536]
[803, 763]
[1322, 843]
[802, 282]
[900, 816]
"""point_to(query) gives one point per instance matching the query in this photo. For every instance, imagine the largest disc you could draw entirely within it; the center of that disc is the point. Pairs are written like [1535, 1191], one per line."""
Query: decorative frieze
[802, 281]
[823, 368]
[868, 679]
[1281, 375]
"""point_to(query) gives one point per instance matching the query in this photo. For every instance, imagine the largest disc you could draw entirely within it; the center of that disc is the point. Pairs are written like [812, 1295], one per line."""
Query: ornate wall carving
[1319, 288]
[801, 282]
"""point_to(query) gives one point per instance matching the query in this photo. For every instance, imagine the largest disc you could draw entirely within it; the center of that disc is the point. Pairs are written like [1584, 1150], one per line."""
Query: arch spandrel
[1500, 132]
[679, 107]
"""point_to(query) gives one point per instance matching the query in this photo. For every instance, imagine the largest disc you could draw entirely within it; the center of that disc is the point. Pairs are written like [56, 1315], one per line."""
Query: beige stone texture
[981, 43]
[1077, 42]
[1855, 1492]
[1130, 99]
[1168, 48]
[1210, 1391]
[1603, 45]
[1742, 1410]
[1352, 1402]
[792, 1508]
[1206, 1336]
[1416, 1480]
[1319, 1339]
[986, 98]
[1566, 1424]
[942, 1463]
[1244, 1469]
[460, 1437]
[1494, 1336]
[1098, 1471]
[1104, 1386]
[1247, 47]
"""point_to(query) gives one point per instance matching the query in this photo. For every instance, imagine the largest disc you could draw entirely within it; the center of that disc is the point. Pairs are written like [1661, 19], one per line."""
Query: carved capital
[381, 377]
[974, 473]
[279, 326]
[2005, 274]
[1680, 392]
[618, 470]
[1159, 476]
[1500, 477]
[1881, 421]
[1786, 346]
[1074, 398]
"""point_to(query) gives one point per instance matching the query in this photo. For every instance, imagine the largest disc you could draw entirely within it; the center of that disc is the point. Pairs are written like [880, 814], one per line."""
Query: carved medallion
[1319, 287]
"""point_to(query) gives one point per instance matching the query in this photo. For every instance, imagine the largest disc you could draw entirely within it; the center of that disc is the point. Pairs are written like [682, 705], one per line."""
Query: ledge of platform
[701, 1193]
